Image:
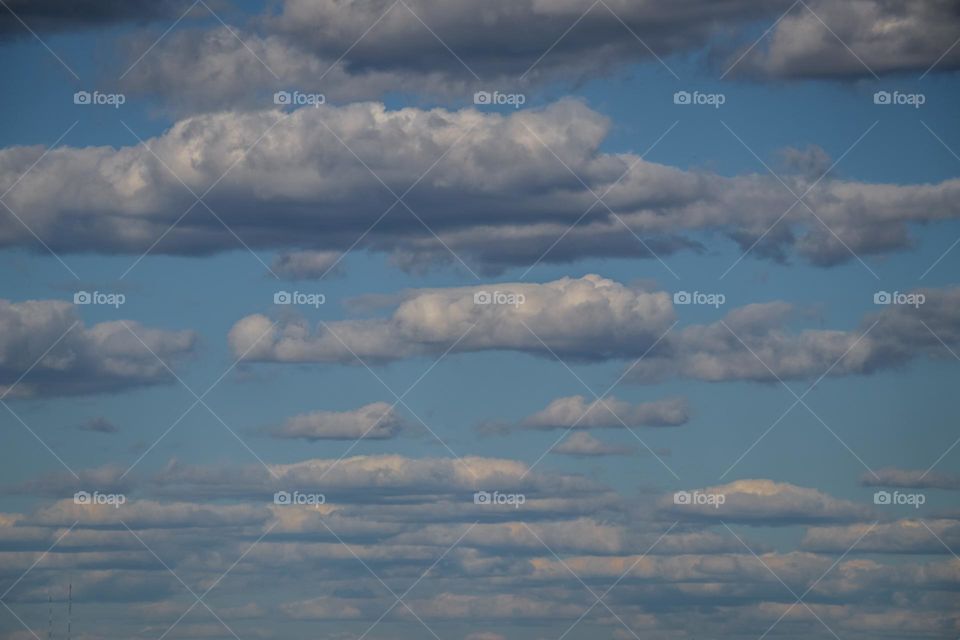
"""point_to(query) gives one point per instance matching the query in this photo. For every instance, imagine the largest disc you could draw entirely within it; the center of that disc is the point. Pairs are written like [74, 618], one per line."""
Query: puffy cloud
[764, 502]
[376, 421]
[611, 413]
[103, 357]
[504, 43]
[492, 214]
[715, 352]
[585, 318]
[888, 36]
[583, 444]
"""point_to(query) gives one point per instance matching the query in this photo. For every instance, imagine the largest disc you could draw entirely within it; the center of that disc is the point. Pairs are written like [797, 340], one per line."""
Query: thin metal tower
[69, 608]
[50, 622]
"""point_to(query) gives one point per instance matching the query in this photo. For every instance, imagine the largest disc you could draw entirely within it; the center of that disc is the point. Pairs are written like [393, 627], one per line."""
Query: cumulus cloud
[752, 338]
[593, 318]
[888, 36]
[504, 43]
[584, 444]
[577, 413]
[490, 213]
[588, 318]
[103, 357]
[764, 502]
[375, 421]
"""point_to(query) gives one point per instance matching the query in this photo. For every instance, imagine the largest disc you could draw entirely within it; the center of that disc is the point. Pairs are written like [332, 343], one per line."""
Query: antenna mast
[69, 608]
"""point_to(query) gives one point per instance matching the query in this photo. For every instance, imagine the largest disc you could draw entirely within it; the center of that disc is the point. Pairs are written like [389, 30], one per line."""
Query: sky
[513, 320]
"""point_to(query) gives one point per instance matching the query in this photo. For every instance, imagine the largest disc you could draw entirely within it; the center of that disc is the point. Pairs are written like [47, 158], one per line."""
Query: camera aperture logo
[910, 299]
[96, 498]
[915, 100]
[500, 499]
[298, 99]
[499, 298]
[699, 498]
[487, 98]
[99, 298]
[711, 299]
[699, 98]
[299, 298]
[897, 498]
[287, 498]
[98, 98]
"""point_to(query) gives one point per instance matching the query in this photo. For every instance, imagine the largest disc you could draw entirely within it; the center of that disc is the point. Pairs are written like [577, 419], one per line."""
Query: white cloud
[375, 421]
[103, 357]
[492, 214]
[584, 444]
[585, 318]
[611, 413]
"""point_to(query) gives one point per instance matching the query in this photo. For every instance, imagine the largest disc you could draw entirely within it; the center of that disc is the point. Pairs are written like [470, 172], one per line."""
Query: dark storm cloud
[45, 16]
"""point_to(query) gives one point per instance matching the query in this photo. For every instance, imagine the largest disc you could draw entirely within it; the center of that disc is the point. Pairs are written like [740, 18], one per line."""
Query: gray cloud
[577, 412]
[492, 214]
[68, 15]
[316, 43]
[715, 352]
[584, 444]
[906, 536]
[103, 357]
[307, 265]
[588, 318]
[911, 479]
[376, 421]
[888, 36]
[763, 502]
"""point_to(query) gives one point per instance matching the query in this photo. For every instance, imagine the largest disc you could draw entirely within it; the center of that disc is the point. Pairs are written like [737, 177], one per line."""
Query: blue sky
[91, 390]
